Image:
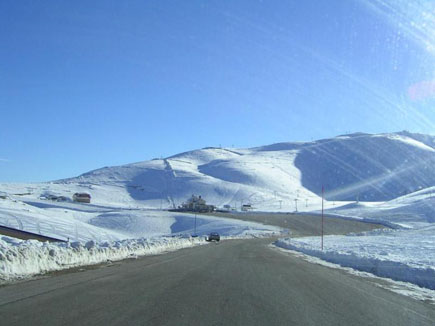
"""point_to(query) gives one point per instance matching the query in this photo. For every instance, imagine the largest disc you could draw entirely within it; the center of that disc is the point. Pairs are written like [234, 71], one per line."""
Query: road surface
[304, 224]
[235, 282]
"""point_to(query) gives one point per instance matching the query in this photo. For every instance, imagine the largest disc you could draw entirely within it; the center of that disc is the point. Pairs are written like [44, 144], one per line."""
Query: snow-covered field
[410, 211]
[85, 222]
[402, 255]
[406, 253]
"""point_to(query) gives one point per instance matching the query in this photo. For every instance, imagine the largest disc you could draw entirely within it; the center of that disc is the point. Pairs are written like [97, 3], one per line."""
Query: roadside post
[323, 191]
[194, 232]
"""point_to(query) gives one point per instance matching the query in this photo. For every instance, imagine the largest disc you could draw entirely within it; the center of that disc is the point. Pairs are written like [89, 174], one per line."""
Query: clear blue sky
[87, 84]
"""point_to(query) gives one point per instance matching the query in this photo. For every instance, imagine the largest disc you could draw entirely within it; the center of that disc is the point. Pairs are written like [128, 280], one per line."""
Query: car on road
[213, 236]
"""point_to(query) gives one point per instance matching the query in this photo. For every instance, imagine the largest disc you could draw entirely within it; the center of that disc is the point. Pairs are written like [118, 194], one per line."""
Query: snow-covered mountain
[222, 176]
[368, 167]
[352, 167]
[358, 166]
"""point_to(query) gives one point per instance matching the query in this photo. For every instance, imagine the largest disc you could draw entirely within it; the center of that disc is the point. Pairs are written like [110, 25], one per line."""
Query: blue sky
[87, 84]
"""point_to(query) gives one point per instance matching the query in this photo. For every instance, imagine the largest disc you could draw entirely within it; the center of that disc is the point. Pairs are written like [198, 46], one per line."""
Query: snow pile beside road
[19, 259]
[25, 258]
[402, 255]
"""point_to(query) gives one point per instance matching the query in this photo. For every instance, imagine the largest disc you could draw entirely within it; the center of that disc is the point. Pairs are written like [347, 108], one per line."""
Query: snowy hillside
[357, 166]
[368, 167]
[410, 211]
[84, 222]
[221, 176]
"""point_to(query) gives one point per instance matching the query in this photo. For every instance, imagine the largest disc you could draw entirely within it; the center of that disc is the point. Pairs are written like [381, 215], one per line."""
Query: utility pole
[323, 191]
[306, 202]
[280, 204]
[296, 204]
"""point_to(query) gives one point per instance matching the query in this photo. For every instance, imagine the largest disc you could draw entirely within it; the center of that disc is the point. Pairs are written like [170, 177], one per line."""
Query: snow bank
[404, 255]
[25, 258]
[19, 259]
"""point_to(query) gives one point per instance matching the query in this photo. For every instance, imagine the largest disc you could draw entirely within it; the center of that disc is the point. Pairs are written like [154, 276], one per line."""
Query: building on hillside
[247, 207]
[82, 197]
[196, 204]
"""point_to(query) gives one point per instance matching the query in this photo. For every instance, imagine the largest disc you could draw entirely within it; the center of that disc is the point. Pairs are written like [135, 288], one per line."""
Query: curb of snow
[22, 259]
[423, 277]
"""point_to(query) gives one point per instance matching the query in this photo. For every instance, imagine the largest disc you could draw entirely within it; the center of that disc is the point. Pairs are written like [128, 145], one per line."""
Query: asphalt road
[236, 282]
[304, 224]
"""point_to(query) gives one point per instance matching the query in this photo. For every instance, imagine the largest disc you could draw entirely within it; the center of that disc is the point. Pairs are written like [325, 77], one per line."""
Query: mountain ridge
[359, 166]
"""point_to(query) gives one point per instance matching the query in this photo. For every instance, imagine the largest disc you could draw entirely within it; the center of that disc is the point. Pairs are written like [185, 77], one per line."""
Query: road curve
[304, 224]
[236, 282]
